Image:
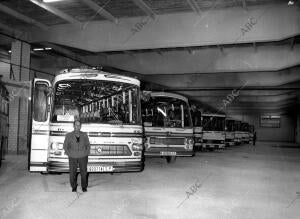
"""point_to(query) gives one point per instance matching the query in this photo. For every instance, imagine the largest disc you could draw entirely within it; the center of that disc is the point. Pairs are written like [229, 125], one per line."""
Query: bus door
[40, 129]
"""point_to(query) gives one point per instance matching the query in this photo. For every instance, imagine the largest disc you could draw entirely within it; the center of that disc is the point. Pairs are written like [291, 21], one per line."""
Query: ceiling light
[290, 2]
[48, 48]
[49, 1]
[38, 49]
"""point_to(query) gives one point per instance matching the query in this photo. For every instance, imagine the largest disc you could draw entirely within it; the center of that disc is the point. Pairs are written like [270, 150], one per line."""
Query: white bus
[229, 128]
[237, 132]
[245, 132]
[167, 126]
[197, 125]
[108, 106]
[251, 133]
[213, 131]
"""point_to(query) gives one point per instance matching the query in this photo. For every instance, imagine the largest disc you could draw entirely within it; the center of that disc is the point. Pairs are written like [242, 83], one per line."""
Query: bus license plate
[100, 168]
[168, 153]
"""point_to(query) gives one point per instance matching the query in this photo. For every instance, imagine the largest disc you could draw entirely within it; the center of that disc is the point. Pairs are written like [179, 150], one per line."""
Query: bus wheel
[171, 159]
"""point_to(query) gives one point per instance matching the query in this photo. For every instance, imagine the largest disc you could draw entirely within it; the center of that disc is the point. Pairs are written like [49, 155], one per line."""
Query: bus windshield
[213, 123]
[237, 125]
[245, 127]
[161, 111]
[96, 101]
[230, 125]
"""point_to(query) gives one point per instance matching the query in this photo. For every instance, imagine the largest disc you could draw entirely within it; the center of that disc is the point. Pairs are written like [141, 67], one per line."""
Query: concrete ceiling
[203, 49]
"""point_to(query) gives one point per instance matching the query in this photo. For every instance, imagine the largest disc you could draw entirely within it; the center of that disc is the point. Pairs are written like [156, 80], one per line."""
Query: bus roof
[166, 94]
[230, 119]
[94, 75]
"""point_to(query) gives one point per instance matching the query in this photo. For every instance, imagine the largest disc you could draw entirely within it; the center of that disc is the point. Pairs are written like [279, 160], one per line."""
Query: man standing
[77, 148]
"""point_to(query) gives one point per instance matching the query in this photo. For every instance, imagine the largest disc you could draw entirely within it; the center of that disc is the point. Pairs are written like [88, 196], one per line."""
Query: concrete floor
[239, 182]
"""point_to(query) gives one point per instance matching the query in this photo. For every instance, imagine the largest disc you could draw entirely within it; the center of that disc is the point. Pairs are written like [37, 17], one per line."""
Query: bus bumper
[214, 146]
[99, 167]
[178, 152]
[229, 143]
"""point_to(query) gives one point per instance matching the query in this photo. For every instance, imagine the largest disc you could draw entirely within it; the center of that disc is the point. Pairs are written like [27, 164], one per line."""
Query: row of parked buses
[216, 131]
[123, 124]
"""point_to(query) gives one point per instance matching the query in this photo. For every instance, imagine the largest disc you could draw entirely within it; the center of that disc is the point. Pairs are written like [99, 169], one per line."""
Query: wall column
[18, 106]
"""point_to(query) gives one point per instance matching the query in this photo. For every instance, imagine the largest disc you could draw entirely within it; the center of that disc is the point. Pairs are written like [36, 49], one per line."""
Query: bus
[229, 127]
[237, 132]
[251, 133]
[4, 101]
[168, 126]
[213, 131]
[197, 124]
[245, 132]
[108, 105]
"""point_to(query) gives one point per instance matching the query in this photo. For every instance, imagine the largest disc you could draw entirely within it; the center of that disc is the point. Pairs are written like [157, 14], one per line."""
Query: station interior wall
[285, 133]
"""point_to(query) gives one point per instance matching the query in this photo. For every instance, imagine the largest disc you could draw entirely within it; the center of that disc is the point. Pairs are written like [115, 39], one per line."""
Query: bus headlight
[56, 146]
[137, 144]
[137, 147]
[152, 140]
[189, 143]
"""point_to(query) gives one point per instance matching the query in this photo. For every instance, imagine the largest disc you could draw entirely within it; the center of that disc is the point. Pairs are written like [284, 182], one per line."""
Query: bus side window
[40, 103]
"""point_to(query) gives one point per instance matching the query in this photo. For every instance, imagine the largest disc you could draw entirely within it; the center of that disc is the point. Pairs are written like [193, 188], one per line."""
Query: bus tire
[171, 159]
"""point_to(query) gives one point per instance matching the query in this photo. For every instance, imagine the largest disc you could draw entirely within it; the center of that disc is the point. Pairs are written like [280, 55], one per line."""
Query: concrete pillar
[18, 106]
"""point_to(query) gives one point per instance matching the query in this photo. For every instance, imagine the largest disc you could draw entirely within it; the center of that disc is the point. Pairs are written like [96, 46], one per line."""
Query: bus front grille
[110, 150]
[167, 141]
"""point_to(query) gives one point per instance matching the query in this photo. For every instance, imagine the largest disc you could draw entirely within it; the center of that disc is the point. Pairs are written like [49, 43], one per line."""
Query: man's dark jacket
[76, 149]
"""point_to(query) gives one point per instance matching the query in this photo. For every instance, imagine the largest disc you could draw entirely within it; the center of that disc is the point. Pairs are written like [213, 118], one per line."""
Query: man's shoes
[74, 189]
[84, 189]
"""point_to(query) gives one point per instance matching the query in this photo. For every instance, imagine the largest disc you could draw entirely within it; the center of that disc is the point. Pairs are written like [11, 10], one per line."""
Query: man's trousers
[73, 163]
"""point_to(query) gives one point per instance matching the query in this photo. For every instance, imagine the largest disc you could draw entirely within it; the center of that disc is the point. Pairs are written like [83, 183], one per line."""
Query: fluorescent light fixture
[9, 51]
[48, 48]
[49, 1]
[38, 49]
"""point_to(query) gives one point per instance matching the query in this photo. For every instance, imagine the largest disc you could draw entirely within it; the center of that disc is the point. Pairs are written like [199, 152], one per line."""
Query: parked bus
[213, 131]
[108, 106]
[197, 125]
[167, 126]
[229, 127]
[251, 133]
[245, 132]
[4, 101]
[237, 132]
